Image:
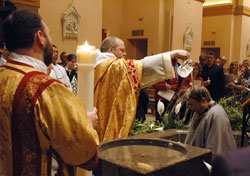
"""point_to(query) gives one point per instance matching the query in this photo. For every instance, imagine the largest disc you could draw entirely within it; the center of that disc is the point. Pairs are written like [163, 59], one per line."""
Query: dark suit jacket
[217, 77]
[234, 163]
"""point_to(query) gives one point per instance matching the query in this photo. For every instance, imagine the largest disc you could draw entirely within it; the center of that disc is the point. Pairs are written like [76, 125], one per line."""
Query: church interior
[150, 27]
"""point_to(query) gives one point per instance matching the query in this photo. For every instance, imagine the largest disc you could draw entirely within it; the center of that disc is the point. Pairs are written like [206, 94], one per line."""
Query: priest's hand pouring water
[179, 54]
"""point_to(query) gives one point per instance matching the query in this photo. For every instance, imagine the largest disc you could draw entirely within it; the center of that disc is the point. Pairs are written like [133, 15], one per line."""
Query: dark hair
[199, 92]
[195, 64]
[19, 29]
[202, 58]
[71, 57]
[211, 53]
[61, 55]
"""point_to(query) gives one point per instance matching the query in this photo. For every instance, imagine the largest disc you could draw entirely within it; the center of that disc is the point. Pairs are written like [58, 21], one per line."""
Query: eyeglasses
[210, 57]
[234, 65]
[121, 49]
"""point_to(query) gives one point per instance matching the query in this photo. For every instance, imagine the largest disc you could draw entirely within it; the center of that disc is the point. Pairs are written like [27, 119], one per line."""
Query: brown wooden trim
[200, 1]
[241, 10]
[218, 10]
[33, 3]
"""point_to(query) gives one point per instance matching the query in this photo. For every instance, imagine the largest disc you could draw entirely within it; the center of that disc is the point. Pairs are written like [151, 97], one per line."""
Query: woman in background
[237, 86]
[194, 78]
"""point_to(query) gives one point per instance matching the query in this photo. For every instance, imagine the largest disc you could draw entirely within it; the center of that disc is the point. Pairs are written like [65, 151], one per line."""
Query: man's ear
[111, 50]
[40, 39]
[203, 100]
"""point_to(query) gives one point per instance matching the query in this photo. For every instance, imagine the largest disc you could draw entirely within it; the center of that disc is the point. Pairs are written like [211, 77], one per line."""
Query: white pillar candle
[86, 56]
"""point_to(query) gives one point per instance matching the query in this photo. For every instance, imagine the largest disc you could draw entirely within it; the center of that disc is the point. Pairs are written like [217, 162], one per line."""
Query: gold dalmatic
[28, 158]
[117, 86]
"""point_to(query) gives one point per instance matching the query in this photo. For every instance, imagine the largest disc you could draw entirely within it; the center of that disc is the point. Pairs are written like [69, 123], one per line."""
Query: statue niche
[71, 23]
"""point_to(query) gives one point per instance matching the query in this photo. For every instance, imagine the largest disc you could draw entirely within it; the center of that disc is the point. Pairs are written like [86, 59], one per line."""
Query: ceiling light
[217, 3]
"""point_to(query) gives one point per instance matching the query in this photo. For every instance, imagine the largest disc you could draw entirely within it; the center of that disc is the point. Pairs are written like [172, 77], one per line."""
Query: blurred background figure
[57, 71]
[223, 61]
[71, 70]
[246, 64]
[214, 77]
[218, 62]
[63, 57]
[202, 61]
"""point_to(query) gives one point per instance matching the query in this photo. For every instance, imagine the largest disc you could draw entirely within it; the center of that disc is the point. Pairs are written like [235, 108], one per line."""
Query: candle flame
[86, 43]
[86, 46]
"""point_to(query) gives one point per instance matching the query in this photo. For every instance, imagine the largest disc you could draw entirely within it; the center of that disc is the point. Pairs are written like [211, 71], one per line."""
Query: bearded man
[36, 121]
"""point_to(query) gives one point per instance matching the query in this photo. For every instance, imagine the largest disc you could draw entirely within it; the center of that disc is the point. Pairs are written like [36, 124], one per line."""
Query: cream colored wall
[112, 17]
[166, 18]
[230, 33]
[149, 11]
[244, 37]
[187, 12]
[121, 17]
[237, 37]
[153, 15]
[245, 3]
[90, 26]
[218, 29]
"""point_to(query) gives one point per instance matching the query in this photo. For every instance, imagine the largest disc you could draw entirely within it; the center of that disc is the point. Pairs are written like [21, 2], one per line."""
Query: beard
[48, 53]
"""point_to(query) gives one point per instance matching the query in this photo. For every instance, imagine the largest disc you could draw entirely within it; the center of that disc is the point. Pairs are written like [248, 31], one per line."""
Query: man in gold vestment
[118, 82]
[39, 116]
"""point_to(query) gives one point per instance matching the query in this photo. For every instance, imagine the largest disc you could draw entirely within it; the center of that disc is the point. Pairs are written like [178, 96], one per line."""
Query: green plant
[170, 122]
[149, 127]
[232, 106]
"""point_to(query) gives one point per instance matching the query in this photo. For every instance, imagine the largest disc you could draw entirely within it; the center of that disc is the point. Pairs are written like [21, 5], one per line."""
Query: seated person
[210, 127]
[164, 85]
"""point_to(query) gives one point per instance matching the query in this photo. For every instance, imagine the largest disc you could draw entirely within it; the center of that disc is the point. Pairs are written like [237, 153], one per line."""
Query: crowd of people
[212, 73]
[39, 125]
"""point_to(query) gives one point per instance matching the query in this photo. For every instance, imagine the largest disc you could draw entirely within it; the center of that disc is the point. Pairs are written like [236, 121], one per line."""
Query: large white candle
[86, 56]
